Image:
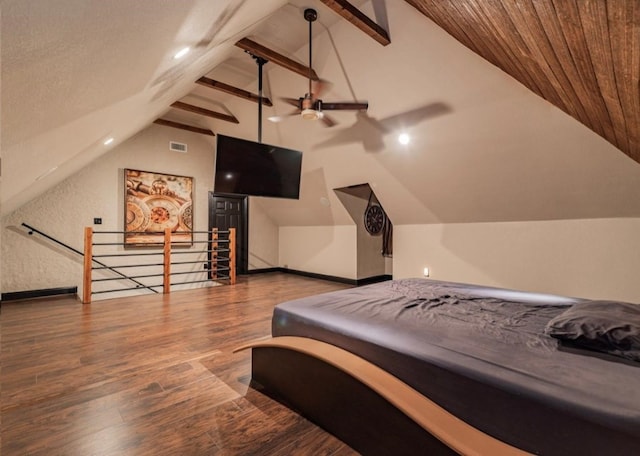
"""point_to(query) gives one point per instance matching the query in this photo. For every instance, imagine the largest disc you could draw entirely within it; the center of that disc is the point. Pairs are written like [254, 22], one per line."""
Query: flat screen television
[249, 168]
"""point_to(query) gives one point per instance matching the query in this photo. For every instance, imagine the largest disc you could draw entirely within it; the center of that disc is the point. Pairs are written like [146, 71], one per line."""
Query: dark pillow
[605, 326]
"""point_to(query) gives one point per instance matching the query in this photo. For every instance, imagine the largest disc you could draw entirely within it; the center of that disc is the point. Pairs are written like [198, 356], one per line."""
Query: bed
[418, 366]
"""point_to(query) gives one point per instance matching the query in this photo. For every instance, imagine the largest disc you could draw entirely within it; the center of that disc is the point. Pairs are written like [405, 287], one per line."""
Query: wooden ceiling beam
[204, 112]
[261, 51]
[181, 126]
[359, 19]
[213, 84]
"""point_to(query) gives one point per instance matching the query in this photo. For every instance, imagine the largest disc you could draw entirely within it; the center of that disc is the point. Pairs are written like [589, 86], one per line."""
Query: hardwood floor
[151, 375]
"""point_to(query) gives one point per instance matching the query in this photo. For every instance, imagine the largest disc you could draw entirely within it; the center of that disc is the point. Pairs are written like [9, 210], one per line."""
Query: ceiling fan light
[310, 114]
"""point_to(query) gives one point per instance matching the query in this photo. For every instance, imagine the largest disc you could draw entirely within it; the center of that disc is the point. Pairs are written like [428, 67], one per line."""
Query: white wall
[596, 258]
[328, 250]
[370, 262]
[263, 237]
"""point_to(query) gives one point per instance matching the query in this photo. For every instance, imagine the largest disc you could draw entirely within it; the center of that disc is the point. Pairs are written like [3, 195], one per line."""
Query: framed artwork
[154, 202]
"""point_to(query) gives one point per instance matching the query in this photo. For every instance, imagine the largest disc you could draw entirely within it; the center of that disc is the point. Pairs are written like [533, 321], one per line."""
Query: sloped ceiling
[581, 55]
[76, 72]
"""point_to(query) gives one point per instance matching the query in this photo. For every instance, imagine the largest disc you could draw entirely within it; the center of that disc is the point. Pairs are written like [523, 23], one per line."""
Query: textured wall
[30, 263]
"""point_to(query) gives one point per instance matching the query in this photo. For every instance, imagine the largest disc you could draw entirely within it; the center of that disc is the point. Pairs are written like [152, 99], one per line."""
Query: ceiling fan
[311, 106]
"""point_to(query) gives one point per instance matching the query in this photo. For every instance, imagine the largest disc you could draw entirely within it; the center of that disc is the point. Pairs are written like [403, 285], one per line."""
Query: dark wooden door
[232, 212]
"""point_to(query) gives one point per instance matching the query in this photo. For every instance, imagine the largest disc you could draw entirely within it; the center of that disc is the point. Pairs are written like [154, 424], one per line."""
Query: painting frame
[154, 201]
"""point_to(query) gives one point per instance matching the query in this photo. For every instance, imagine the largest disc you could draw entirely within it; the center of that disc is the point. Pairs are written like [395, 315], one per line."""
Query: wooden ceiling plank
[261, 51]
[565, 68]
[624, 20]
[359, 19]
[181, 126]
[241, 93]
[549, 71]
[204, 112]
[596, 30]
[582, 56]
[443, 15]
[447, 16]
[489, 42]
[569, 16]
[509, 58]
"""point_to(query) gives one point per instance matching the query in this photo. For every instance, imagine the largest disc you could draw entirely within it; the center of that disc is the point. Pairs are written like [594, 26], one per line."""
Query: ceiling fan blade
[345, 106]
[327, 120]
[297, 102]
[277, 119]
[320, 87]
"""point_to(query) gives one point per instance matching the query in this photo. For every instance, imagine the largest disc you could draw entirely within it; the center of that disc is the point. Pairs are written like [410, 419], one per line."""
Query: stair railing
[218, 258]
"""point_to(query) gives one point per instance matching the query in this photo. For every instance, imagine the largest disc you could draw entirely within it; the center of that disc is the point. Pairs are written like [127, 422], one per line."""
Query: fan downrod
[310, 14]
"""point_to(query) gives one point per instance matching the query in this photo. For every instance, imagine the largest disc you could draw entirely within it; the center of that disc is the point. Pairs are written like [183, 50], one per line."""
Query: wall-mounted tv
[250, 168]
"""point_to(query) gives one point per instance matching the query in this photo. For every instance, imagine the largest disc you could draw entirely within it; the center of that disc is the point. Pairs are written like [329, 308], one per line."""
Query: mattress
[482, 354]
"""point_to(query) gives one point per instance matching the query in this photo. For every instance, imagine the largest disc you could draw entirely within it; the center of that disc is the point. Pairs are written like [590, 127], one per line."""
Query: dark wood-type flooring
[150, 375]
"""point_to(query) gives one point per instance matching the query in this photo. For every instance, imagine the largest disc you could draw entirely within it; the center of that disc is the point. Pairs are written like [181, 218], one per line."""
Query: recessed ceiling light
[108, 141]
[182, 52]
[404, 139]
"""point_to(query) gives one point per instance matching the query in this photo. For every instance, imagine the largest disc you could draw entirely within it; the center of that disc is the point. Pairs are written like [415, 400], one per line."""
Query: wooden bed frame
[360, 403]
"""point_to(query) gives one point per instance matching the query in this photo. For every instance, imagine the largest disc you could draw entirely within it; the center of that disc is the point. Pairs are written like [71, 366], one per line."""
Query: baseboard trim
[375, 279]
[33, 294]
[314, 275]
[263, 270]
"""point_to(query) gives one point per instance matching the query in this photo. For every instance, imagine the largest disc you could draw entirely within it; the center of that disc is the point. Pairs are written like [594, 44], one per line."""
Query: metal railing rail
[68, 247]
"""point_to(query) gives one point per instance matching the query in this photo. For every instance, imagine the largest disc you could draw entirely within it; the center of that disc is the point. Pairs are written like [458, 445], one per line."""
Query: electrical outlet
[425, 272]
[97, 221]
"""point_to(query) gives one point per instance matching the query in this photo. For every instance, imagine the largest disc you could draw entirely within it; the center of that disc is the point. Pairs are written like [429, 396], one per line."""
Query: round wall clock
[374, 219]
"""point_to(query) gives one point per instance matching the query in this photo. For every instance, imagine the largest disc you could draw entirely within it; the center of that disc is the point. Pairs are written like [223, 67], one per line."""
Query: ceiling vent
[177, 147]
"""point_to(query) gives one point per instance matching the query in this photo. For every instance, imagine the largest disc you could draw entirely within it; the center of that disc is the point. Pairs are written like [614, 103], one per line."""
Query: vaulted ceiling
[581, 55]
[75, 72]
